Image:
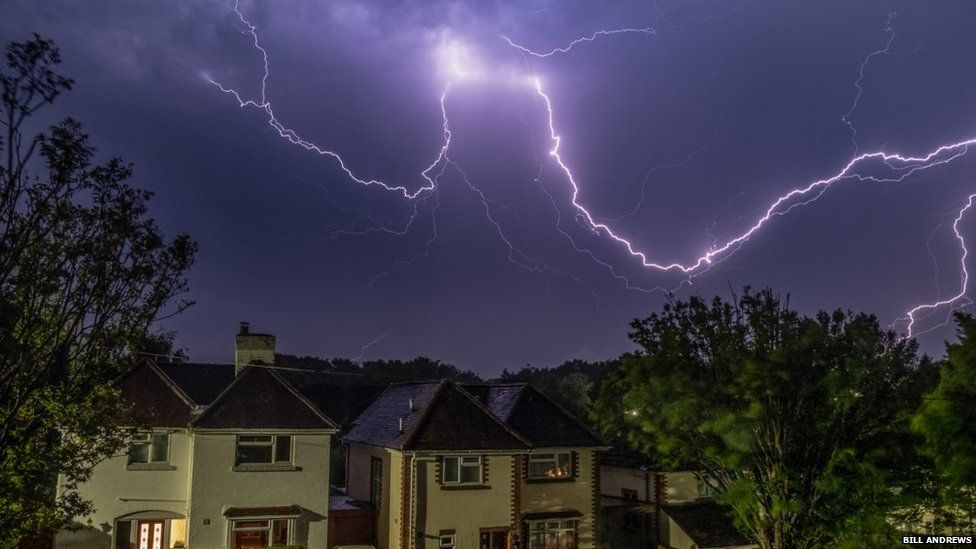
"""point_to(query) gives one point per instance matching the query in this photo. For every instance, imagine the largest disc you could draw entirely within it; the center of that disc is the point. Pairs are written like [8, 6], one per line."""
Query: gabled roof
[154, 397]
[535, 416]
[443, 417]
[200, 381]
[259, 398]
[707, 523]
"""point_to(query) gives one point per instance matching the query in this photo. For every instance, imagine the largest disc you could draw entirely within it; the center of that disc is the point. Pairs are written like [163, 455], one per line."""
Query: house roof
[706, 523]
[534, 415]
[436, 416]
[448, 416]
[210, 396]
[155, 398]
[200, 381]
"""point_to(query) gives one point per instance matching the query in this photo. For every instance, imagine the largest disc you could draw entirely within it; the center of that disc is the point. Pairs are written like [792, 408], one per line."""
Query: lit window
[149, 448]
[552, 534]
[259, 533]
[255, 449]
[446, 541]
[462, 470]
[553, 465]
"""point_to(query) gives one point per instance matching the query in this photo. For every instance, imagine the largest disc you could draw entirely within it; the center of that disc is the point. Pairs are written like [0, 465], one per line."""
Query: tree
[946, 420]
[799, 423]
[572, 384]
[83, 273]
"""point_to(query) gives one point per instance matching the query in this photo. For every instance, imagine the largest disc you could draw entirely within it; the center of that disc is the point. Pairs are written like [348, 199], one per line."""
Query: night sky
[711, 112]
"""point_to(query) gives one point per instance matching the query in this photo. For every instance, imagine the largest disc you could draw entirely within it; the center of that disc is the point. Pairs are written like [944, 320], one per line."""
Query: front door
[150, 534]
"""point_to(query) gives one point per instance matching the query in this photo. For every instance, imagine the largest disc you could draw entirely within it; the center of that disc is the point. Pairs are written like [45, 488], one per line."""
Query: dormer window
[149, 448]
[263, 449]
[551, 466]
[462, 470]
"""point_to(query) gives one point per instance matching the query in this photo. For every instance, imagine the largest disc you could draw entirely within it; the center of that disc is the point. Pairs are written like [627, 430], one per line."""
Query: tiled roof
[340, 402]
[535, 416]
[201, 382]
[706, 523]
[156, 400]
[211, 396]
[259, 398]
[444, 417]
[451, 417]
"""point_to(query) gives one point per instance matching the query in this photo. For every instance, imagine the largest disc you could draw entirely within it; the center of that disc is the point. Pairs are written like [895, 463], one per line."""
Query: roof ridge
[315, 409]
[562, 410]
[423, 415]
[492, 415]
[220, 397]
[169, 381]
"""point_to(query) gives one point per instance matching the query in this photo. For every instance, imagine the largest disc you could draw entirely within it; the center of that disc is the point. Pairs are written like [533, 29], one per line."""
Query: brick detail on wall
[406, 497]
[518, 470]
[660, 488]
[595, 493]
[484, 470]
[573, 464]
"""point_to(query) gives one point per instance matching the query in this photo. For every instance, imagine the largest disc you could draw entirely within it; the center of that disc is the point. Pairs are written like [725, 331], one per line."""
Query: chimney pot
[401, 425]
[253, 349]
[245, 328]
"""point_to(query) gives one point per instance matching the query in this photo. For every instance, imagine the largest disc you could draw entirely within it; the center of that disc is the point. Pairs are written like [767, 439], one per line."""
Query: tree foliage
[800, 423]
[573, 384]
[83, 273]
[946, 421]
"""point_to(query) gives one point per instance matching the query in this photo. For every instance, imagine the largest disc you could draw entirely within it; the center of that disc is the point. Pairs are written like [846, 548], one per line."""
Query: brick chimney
[253, 349]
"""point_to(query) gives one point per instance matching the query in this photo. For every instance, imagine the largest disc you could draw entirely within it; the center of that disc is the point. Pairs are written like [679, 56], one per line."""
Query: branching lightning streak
[897, 168]
[906, 165]
[964, 276]
[565, 49]
[290, 135]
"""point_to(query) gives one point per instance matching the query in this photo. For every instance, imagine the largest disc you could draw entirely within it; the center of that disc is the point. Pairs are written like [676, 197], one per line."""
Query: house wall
[465, 511]
[358, 463]
[215, 486]
[117, 491]
[577, 495]
[682, 487]
[613, 480]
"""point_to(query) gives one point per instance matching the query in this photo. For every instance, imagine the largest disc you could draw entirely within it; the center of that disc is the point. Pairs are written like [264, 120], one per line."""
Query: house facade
[449, 466]
[228, 455]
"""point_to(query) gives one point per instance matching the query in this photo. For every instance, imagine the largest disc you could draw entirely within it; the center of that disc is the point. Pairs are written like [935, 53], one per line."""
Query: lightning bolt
[964, 278]
[591, 38]
[879, 166]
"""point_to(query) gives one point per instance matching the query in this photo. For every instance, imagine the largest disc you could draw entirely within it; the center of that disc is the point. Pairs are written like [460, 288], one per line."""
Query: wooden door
[150, 534]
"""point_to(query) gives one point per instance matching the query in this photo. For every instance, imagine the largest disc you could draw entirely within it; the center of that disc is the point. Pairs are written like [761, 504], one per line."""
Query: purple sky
[724, 107]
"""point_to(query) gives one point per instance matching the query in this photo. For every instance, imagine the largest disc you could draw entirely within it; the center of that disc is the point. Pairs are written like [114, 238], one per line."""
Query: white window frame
[549, 457]
[561, 526]
[269, 528]
[705, 489]
[460, 466]
[274, 449]
[446, 541]
[146, 437]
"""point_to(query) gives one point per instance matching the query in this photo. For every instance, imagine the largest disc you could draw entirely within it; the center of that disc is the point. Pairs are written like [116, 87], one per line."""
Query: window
[252, 449]
[552, 534]
[149, 448]
[494, 540]
[629, 495]
[375, 481]
[446, 541]
[259, 533]
[550, 466]
[462, 470]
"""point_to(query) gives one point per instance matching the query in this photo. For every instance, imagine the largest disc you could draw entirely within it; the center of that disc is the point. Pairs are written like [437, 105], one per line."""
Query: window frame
[705, 490]
[451, 541]
[535, 457]
[270, 521]
[562, 526]
[272, 442]
[460, 466]
[149, 441]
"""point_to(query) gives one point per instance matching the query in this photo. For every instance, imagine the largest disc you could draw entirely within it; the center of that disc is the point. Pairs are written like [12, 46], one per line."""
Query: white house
[233, 455]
